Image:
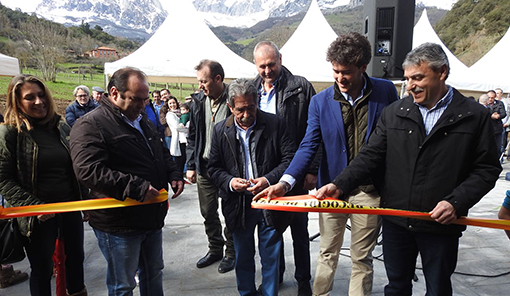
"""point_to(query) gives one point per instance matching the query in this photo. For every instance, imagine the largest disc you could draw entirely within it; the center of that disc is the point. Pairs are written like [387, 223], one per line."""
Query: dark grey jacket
[196, 135]
[456, 162]
[497, 124]
[113, 159]
[293, 95]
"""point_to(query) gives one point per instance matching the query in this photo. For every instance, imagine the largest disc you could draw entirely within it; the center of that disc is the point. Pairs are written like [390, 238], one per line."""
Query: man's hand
[271, 192]
[192, 176]
[45, 217]
[151, 193]
[495, 115]
[86, 216]
[177, 187]
[310, 182]
[328, 190]
[443, 213]
[239, 184]
[260, 184]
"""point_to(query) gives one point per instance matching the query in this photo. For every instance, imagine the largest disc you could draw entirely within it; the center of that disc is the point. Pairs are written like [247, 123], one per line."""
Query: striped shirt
[430, 117]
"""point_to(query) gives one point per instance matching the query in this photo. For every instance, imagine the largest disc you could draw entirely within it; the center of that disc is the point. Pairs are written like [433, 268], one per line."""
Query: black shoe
[304, 289]
[208, 259]
[227, 264]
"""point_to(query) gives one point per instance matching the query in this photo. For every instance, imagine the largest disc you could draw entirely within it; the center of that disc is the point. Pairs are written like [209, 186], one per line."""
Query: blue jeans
[129, 252]
[438, 255]
[269, 250]
[167, 141]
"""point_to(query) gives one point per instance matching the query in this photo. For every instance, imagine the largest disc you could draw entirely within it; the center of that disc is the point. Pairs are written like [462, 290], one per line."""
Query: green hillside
[473, 27]
[48, 46]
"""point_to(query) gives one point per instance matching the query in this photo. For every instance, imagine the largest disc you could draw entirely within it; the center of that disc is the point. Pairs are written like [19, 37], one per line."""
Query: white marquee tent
[9, 66]
[494, 66]
[304, 53]
[483, 75]
[424, 32]
[179, 44]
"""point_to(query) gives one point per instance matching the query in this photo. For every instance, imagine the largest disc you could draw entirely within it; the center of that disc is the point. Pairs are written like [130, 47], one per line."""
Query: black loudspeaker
[388, 25]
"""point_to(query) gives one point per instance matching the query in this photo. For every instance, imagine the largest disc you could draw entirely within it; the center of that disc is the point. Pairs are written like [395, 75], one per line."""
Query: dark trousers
[499, 139]
[181, 160]
[301, 246]
[504, 141]
[40, 248]
[208, 200]
[438, 255]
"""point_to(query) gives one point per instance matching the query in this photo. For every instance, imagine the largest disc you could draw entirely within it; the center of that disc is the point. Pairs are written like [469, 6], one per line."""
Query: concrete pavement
[483, 254]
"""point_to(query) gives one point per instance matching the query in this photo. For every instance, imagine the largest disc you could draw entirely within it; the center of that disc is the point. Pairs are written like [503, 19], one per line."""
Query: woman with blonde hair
[35, 168]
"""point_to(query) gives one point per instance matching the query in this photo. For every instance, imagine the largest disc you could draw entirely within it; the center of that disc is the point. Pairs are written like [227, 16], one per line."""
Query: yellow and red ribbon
[309, 203]
[72, 206]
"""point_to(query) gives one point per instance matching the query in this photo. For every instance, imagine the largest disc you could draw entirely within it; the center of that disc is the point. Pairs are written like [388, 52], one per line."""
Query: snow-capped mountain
[138, 18]
[246, 13]
[141, 18]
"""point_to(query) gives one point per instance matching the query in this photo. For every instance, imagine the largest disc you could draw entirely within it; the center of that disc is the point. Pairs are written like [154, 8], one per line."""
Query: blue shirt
[354, 101]
[430, 117]
[244, 137]
[136, 124]
[267, 102]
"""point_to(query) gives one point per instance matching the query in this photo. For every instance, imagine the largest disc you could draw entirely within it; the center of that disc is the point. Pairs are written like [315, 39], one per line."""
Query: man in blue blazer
[342, 117]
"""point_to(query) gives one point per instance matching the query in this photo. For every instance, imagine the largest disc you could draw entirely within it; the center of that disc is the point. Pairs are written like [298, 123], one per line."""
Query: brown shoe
[9, 277]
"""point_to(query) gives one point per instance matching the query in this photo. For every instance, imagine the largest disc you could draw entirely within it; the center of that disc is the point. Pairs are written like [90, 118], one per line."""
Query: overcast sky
[30, 5]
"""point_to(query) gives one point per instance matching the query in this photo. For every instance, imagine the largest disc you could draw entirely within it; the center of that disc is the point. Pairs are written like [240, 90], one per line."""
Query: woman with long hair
[178, 141]
[35, 168]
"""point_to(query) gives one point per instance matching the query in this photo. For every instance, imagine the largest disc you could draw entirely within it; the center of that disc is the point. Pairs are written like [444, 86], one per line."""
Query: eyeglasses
[82, 96]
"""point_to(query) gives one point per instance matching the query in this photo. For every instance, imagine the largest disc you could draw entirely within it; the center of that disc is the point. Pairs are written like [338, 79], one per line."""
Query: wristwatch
[286, 185]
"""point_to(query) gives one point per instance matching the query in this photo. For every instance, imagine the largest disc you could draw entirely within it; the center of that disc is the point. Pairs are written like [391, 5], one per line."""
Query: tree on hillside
[46, 42]
[482, 24]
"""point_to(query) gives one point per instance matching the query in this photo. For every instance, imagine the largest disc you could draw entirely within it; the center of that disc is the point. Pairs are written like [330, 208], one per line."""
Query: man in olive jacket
[117, 152]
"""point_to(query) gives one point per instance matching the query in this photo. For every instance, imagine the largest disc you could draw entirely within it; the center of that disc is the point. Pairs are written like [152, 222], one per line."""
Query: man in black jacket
[249, 151]
[498, 112]
[117, 152]
[288, 96]
[208, 107]
[438, 154]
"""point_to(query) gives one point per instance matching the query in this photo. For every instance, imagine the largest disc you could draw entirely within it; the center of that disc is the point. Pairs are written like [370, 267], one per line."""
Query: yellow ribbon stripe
[309, 203]
[72, 206]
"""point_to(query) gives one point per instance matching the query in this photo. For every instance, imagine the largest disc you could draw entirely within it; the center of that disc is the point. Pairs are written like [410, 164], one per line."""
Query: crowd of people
[256, 138]
[499, 107]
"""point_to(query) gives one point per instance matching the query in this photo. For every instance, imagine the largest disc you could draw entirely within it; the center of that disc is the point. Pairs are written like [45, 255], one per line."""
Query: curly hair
[351, 48]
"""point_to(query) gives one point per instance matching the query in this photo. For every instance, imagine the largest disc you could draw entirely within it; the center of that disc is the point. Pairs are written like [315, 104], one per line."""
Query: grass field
[66, 82]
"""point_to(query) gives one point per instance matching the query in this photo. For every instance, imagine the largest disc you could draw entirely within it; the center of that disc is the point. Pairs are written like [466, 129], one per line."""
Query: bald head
[268, 60]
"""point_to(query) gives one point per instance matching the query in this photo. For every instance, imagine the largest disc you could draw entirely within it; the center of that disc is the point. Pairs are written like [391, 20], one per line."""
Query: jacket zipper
[31, 220]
